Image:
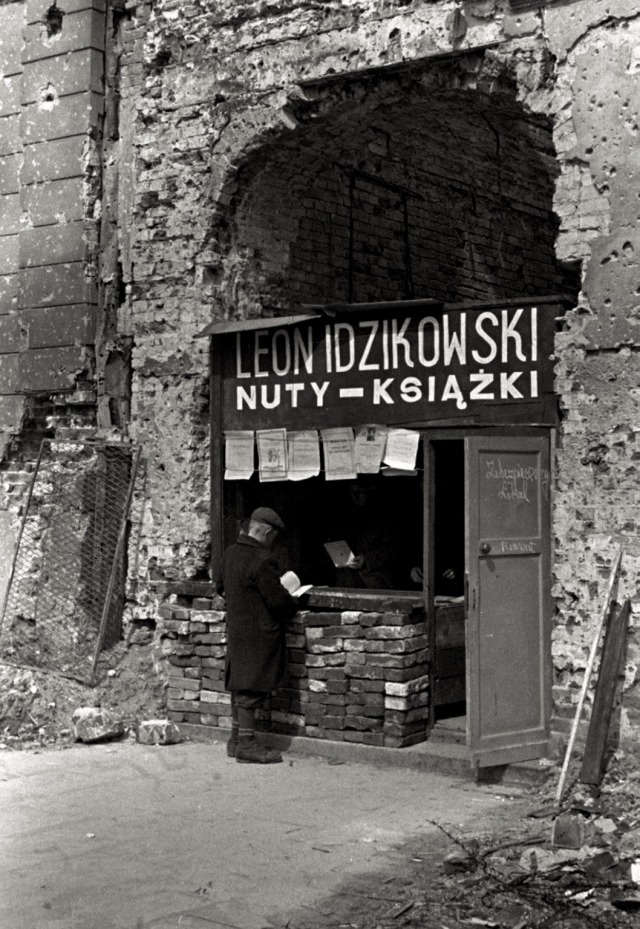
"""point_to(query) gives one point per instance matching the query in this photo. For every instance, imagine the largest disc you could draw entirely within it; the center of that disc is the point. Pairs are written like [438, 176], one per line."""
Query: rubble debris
[94, 724]
[571, 831]
[158, 732]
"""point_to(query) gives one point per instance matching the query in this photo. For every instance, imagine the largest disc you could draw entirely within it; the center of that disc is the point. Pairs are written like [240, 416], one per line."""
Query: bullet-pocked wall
[422, 184]
[232, 133]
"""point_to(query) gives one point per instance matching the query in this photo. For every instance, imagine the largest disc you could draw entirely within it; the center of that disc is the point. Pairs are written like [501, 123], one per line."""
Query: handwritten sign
[517, 480]
[338, 372]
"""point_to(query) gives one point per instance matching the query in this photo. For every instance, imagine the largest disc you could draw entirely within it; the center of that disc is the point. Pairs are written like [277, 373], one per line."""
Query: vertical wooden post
[587, 677]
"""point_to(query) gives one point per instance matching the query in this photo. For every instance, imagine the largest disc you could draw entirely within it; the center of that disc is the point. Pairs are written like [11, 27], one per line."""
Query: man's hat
[269, 517]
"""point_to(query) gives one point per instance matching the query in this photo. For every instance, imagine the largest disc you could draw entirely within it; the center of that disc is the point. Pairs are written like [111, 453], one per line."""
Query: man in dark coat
[258, 609]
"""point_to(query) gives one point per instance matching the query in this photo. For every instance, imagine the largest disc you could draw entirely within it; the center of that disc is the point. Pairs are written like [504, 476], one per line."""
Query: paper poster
[303, 450]
[369, 446]
[239, 455]
[339, 454]
[272, 454]
[402, 449]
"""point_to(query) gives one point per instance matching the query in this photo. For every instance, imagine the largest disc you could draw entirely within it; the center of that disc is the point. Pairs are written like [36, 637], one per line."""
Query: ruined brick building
[200, 200]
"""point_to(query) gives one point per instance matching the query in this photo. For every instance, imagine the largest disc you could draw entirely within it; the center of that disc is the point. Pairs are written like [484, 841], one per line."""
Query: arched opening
[411, 189]
[419, 186]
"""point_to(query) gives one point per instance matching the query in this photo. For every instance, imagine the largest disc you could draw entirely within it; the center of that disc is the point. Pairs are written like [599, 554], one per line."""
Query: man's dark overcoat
[258, 609]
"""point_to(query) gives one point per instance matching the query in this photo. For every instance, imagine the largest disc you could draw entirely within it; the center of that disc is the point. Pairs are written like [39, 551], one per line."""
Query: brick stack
[288, 706]
[367, 677]
[353, 676]
[193, 641]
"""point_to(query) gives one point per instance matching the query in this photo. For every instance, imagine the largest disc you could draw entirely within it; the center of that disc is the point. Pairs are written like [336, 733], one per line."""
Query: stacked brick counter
[358, 667]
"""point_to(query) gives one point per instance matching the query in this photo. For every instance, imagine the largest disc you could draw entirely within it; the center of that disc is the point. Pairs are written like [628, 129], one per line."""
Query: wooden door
[508, 619]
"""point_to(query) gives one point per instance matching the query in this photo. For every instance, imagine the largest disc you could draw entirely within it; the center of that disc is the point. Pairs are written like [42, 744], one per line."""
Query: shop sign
[391, 369]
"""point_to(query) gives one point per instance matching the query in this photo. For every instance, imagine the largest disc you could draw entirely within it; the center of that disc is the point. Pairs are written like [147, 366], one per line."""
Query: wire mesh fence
[64, 599]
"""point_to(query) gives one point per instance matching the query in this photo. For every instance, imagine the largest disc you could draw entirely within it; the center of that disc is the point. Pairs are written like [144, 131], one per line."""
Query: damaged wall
[204, 105]
[221, 96]
[51, 104]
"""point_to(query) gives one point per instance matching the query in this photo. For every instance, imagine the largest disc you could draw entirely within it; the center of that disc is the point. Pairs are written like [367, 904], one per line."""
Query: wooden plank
[613, 649]
[587, 675]
[375, 601]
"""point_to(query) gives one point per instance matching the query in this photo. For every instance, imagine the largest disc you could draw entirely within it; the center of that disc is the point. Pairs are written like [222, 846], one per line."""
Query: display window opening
[379, 517]
[448, 557]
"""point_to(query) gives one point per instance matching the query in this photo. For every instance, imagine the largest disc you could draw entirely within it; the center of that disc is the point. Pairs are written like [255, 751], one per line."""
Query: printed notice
[339, 454]
[238, 455]
[402, 449]
[369, 446]
[303, 448]
[272, 454]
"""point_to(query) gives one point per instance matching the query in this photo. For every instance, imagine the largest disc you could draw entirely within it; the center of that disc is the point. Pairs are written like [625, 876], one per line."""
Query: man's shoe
[232, 746]
[256, 754]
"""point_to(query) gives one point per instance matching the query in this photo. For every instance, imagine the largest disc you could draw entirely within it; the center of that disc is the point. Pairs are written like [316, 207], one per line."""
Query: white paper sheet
[272, 454]
[370, 444]
[340, 553]
[239, 455]
[303, 450]
[402, 449]
[339, 454]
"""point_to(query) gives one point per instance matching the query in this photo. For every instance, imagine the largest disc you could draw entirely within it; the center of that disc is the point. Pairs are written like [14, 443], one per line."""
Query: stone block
[158, 732]
[8, 292]
[69, 73]
[571, 831]
[55, 285]
[94, 724]
[10, 174]
[322, 619]
[10, 141]
[11, 38]
[215, 696]
[210, 617]
[362, 723]
[36, 10]
[48, 327]
[48, 161]
[53, 201]
[50, 368]
[82, 29]
[177, 626]
[9, 254]
[10, 96]
[171, 611]
[10, 334]
[10, 214]
[184, 706]
[45, 245]
[9, 374]
[409, 687]
[11, 411]
[396, 632]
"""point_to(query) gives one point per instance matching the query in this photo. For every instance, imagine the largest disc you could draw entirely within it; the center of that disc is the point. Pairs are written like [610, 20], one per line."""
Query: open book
[291, 582]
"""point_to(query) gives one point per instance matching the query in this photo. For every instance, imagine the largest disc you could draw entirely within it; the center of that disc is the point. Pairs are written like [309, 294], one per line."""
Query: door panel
[508, 562]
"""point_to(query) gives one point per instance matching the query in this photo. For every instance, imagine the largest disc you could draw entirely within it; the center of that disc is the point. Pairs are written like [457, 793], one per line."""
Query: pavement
[120, 835]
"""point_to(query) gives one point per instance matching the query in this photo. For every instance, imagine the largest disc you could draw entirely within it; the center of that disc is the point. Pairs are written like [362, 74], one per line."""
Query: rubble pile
[36, 706]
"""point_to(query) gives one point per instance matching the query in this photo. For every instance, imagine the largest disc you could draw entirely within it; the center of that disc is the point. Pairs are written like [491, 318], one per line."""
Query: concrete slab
[126, 836]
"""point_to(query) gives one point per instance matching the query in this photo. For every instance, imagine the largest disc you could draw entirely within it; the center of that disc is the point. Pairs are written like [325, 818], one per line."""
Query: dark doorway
[449, 684]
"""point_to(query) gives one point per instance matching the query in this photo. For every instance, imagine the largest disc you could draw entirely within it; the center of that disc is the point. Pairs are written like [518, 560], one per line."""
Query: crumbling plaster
[218, 85]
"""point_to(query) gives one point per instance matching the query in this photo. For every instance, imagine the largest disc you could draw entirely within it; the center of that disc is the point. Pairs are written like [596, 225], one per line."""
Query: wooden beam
[593, 761]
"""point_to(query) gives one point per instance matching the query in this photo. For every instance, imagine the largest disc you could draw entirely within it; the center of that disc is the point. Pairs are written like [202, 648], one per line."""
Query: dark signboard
[433, 365]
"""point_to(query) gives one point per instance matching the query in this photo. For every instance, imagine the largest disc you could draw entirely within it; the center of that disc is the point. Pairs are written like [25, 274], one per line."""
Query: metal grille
[64, 599]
